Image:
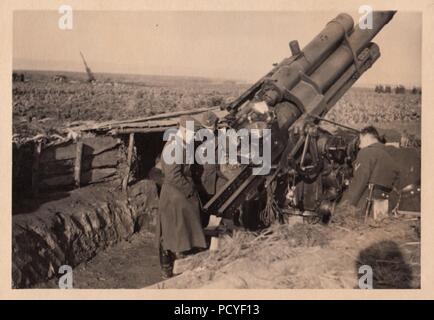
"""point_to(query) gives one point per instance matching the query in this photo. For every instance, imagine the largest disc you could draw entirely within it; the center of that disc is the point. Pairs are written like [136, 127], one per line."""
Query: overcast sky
[232, 45]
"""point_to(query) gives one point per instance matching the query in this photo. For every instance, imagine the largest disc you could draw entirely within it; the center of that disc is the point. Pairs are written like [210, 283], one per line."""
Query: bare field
[42, 105]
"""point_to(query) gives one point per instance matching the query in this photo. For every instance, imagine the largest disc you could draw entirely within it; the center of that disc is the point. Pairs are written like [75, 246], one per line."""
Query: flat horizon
[220, 45]
[238, 81]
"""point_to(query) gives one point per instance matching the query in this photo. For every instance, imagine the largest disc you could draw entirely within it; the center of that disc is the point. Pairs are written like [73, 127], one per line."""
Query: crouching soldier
[179, 229]
[375, 176]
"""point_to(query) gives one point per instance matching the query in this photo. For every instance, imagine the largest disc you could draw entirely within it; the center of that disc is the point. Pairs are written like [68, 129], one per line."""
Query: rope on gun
[271, 211]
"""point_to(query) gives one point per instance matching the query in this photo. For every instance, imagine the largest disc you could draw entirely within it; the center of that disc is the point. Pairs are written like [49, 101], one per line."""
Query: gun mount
[310, 166]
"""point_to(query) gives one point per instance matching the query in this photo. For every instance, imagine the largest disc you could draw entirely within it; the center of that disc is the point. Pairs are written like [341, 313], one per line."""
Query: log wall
[67, 165]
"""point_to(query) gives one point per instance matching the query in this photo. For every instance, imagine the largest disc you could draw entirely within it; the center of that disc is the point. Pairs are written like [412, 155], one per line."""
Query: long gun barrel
[313, 54]
[90, 76]
[304, 86]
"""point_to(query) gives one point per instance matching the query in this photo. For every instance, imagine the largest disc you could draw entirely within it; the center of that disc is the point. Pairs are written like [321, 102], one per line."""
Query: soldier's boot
[380, 209]
[167, 259]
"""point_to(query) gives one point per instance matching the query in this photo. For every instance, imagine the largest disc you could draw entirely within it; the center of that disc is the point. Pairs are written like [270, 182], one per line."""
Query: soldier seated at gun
[375, 176]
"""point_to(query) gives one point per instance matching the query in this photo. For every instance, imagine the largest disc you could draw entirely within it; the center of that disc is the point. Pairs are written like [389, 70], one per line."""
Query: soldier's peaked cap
[209, 119]
[373, 132]
[188, 120]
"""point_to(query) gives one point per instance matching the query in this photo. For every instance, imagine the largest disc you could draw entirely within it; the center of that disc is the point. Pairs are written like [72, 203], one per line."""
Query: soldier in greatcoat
[179, 230]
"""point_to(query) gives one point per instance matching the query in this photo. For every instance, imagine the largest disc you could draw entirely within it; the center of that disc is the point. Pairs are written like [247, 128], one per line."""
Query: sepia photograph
[216, 149]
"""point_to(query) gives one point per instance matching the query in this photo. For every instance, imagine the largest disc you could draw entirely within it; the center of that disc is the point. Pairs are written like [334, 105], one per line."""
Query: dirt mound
[276, 240]
[308, 256]
[75, 226]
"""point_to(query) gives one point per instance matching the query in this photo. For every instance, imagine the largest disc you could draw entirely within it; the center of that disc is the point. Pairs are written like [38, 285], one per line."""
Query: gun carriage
[310, 166]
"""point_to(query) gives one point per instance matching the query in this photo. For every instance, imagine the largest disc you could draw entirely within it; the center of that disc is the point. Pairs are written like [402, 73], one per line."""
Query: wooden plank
[153, 126]
[409, 213]
[58, 181]
[111, 124]
[97, 145]
[106, 159]
[77, 165]
[129, 161]
[35, 168]
[150, 124]
[87, 177]
[98, 175]
[61, 167]
[141, 130]
[91, 146]
[59, 152]
[55, 168]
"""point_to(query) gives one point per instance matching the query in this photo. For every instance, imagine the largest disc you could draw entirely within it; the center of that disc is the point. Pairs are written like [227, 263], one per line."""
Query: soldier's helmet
[209, 120]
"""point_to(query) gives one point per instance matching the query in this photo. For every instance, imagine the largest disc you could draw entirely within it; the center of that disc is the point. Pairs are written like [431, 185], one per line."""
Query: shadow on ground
[390, 270]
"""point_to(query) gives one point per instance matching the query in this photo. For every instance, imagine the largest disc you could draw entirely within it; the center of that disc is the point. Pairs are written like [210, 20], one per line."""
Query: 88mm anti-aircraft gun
[310, 166]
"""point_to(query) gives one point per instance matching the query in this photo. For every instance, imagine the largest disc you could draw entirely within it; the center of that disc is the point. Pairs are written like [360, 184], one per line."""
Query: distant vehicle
[400, 89]
[379, 88]
[18, 77]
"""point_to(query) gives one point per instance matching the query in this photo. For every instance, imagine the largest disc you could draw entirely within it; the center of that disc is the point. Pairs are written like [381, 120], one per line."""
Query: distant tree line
[399, 89]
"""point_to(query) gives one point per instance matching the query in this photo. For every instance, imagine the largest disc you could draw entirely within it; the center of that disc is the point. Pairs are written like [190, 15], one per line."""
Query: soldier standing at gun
[179, 229]
[206, 175]
[375, 176]
[210, 178]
